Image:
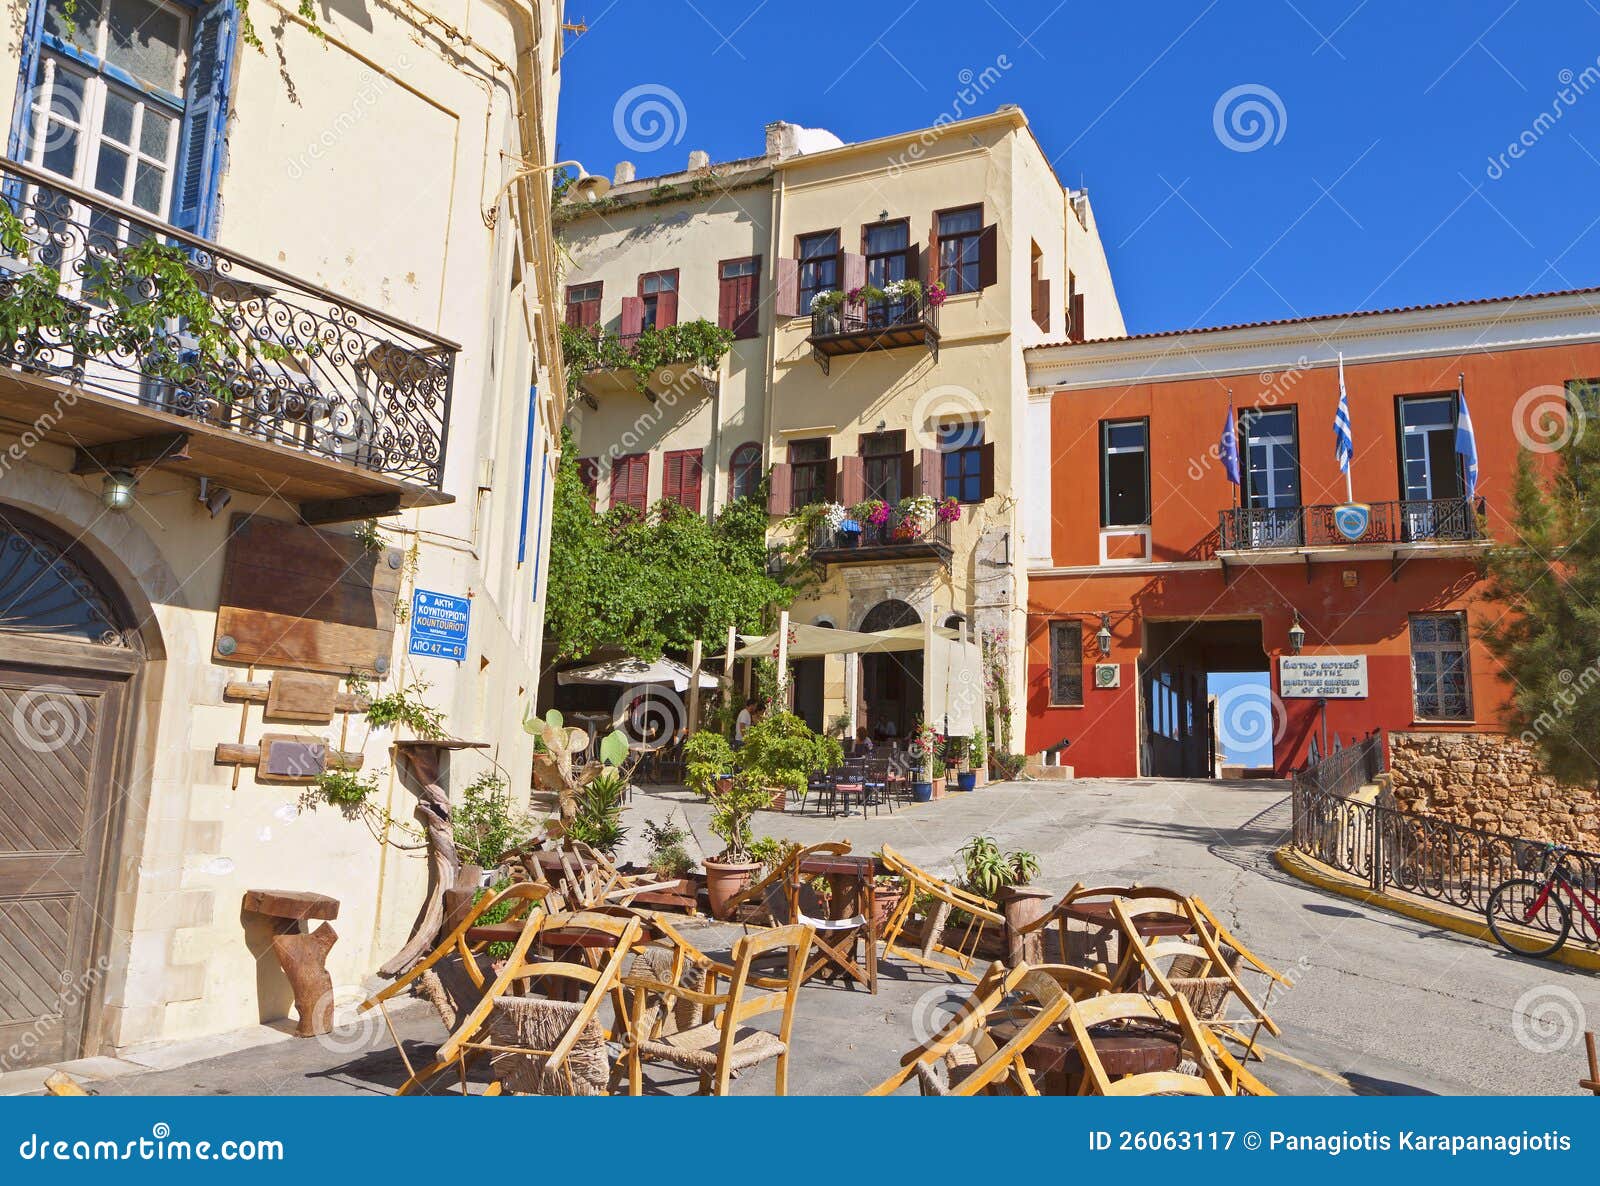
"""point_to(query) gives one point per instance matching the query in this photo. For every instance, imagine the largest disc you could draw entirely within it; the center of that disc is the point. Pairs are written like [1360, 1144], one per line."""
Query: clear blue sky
[1371, 186]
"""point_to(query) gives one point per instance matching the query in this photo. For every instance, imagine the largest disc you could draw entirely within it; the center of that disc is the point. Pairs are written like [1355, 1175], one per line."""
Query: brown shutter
[930, 271]
[852, 480]
[908, 471]
[989, 255]
[1041, 304]
[1075, 330]
[830, 482]
[930, 475]
[780, 498]
[854, 271]
[666, 310]
[786, 286]
[632, 316]
[986, 470]
[727, 295]
[689, 480]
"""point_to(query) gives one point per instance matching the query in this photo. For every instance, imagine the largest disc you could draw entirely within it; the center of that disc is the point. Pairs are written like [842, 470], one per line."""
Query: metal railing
[1347, 770]
[1441, 520]
[896, 531]
[283, 361]
[1431, 858]
[875, 317]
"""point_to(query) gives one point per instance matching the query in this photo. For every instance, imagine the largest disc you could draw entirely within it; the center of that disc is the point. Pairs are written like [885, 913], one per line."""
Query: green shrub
[485, 824]
[597, 818]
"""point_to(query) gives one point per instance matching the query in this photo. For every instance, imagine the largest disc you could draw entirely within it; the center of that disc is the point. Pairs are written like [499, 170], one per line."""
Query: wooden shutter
[830, 481]
[685, 490]
[630, 478]
[908, 471]
[853, 270]
[931, 271]
[786, 287]
[780, 496]
[852, 480]
[632, 316]
[672, 476]
[589, 474]
[989, 255]
[725, 299]
[1075, 311]
[930, 473]
[986, 470]
[1041, 304]
[203, 140]
[666, 309]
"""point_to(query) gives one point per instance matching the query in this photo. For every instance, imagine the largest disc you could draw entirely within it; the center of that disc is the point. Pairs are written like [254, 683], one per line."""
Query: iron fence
[1440, 520]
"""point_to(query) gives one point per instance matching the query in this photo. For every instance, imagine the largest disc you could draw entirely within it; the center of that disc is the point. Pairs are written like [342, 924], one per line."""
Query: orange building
[1150, 572]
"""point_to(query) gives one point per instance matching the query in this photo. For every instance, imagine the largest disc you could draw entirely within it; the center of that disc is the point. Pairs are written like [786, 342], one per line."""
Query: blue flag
[1343, 444]
[1228, 451]
[1466, 439]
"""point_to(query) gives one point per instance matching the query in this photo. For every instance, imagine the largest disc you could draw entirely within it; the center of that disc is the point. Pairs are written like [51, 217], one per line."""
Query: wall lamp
[117, 490]
[1103, 636]
[1297, 636]
[586, 185]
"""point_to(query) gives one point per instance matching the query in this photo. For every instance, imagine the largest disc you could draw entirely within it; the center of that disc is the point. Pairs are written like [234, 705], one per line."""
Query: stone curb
[1303, 868]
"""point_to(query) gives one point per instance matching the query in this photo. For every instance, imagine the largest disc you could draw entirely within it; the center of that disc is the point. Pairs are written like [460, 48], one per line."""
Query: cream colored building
[397, 292]
[890, 396]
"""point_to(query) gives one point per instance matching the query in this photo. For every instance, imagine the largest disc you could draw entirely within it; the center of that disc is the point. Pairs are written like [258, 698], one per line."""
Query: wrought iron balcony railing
[246, 348]
[896, 538]
[873, 325]
[1444, 520]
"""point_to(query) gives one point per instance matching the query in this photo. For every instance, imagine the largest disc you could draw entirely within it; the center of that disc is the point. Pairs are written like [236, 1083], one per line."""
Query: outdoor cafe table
[1101, 925]
[852, 890]
[1055, 1061]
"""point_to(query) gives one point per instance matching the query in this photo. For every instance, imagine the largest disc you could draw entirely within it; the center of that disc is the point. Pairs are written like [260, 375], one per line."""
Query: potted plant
[669, 862]
[957, 753]
[920, 747]
[824, 301]
[781, 751]
[985, 870]
[735, 867]
[938, 775]
[980, 756]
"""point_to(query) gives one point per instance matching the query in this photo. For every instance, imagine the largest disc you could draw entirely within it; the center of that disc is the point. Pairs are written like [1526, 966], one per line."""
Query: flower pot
[724, 882]
[938, 788]
[921, 791]
[885, 902]
[779, 798]
[982, 775]
[967, 780]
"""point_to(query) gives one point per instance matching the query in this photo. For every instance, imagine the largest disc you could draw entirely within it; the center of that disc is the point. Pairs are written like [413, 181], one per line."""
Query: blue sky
[1376, 171]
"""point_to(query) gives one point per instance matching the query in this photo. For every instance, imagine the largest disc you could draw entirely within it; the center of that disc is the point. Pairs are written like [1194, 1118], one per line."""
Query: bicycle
[1521, 907]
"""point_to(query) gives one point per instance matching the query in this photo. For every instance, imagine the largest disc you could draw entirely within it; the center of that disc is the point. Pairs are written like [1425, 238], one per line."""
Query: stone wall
[1490, 781]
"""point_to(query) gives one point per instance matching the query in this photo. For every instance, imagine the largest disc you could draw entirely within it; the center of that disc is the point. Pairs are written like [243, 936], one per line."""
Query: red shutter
[681, 473]
[931, 267]
[747, 320]
[908, 471]
[632, 316]
[780, 498]
[726, 295]
[630, 481]
[986, 470]
[852, 481]
[786, 286]
[930, 474]
[666, 309]
[854, 271]
[989, 255]
[672, 477]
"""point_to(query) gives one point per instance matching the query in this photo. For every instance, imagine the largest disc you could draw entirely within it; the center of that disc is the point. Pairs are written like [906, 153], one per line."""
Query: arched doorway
[891, 684]
[69, 655]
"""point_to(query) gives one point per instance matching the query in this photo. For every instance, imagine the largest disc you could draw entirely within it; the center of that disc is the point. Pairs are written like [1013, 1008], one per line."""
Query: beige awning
[810, 642]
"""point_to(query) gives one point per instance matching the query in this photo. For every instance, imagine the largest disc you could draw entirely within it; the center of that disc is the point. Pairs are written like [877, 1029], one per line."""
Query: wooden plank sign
[305, 599]
[286, 758]
[302, 696]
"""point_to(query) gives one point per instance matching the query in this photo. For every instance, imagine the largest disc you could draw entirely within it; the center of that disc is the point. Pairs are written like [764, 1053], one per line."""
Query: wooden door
[58, 749]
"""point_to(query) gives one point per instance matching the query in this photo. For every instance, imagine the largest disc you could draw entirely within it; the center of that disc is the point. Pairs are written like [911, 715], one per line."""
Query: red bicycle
[1523, 912]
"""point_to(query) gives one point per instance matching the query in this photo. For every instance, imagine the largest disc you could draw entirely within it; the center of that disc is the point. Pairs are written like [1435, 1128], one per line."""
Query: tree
[654, 582]
[1547, 582]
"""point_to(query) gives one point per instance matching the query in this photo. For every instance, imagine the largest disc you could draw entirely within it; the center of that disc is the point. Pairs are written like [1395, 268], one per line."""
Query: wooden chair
[931, 951]
[543, 1045]
[967, 1056]
[452, 978]
[1194, 966]
[1123, 1009]
[724, 1044]
[774, 901]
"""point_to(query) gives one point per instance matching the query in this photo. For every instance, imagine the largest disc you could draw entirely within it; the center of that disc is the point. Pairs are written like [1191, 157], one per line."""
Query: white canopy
[811, 642]
[629, 671]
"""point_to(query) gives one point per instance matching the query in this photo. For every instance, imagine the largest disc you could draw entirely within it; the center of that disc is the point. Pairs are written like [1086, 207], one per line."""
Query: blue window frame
[961, 443]
[128, 98]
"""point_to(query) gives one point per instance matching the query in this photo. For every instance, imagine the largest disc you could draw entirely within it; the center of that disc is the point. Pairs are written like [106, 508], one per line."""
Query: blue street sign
[439, 624]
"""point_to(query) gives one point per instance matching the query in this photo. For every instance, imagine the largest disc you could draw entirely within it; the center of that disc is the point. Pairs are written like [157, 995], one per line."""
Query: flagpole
[1349, 493]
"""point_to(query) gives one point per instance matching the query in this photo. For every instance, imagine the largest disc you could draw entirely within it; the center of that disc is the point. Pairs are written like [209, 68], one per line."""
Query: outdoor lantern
[1297, 636]
[1103, 635]
[117, 490]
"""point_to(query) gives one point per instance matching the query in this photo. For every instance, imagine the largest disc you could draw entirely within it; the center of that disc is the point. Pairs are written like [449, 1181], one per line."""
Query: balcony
[873, 325]
[139, 345]
[1393, 530]
[855, 542]
[675, 362]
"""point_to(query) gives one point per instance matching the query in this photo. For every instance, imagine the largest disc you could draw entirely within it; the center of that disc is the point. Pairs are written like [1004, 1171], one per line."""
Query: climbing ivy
[697, 342]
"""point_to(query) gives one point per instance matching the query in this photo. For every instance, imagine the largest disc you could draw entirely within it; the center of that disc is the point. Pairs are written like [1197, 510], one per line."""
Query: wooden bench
[303, 955]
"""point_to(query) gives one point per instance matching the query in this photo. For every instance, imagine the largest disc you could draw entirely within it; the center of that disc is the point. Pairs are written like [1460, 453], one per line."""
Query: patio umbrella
[629, 671]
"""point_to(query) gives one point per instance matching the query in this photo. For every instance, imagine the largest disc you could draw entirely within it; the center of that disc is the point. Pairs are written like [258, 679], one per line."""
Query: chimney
[699, 160]
[780, 139]
[624, 173]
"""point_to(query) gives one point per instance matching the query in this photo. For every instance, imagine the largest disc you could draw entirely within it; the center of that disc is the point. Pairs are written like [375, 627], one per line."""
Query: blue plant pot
[967, 780]
[922, 792]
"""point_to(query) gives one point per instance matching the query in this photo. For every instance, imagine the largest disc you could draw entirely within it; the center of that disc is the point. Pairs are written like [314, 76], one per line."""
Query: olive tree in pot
[713, 773]
[782, 751]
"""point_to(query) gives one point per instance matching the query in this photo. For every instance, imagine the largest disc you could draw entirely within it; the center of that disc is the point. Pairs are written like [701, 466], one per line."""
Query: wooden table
[1101, 926]
[1057, 1064]
[303, 955]
[853, 891]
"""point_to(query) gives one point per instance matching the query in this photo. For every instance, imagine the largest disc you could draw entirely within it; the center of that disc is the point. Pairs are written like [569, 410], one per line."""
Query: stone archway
[891, 684]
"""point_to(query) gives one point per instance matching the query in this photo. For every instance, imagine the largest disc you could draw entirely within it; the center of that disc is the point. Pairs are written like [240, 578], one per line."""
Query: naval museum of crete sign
[1322, 677]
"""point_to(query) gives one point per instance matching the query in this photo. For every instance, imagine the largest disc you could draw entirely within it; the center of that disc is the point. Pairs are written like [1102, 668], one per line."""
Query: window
[1124, 473]
[1583, 396]
[887, 246]
[630, 481]
[1272, 458]
[744, 471]
[583, 305]
[737, 283]
[680, 478]
[127, 98]
[960, 232]
[883, 466]
[1439, 667]
[659, 292]
[1430, 468]
[810, 472]
[963, 460]
[819, 266]
[1066, 664]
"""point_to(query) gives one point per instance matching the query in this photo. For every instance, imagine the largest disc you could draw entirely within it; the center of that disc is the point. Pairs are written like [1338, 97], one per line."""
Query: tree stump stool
[303, 955]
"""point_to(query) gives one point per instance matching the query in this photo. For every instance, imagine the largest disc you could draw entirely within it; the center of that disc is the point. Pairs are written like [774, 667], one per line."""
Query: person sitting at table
[743, 721]
[863, 744]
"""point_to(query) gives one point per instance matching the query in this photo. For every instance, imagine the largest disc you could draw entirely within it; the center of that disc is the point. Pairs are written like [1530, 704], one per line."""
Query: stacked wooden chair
[775, 901]
[929, 949]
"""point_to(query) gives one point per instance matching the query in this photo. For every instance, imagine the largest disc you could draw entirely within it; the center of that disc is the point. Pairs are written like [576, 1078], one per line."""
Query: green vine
[697, 342]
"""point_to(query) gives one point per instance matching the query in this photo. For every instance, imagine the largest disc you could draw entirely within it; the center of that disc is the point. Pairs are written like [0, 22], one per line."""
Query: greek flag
[1343, 445]
[1466, 439]
[1228, 451]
